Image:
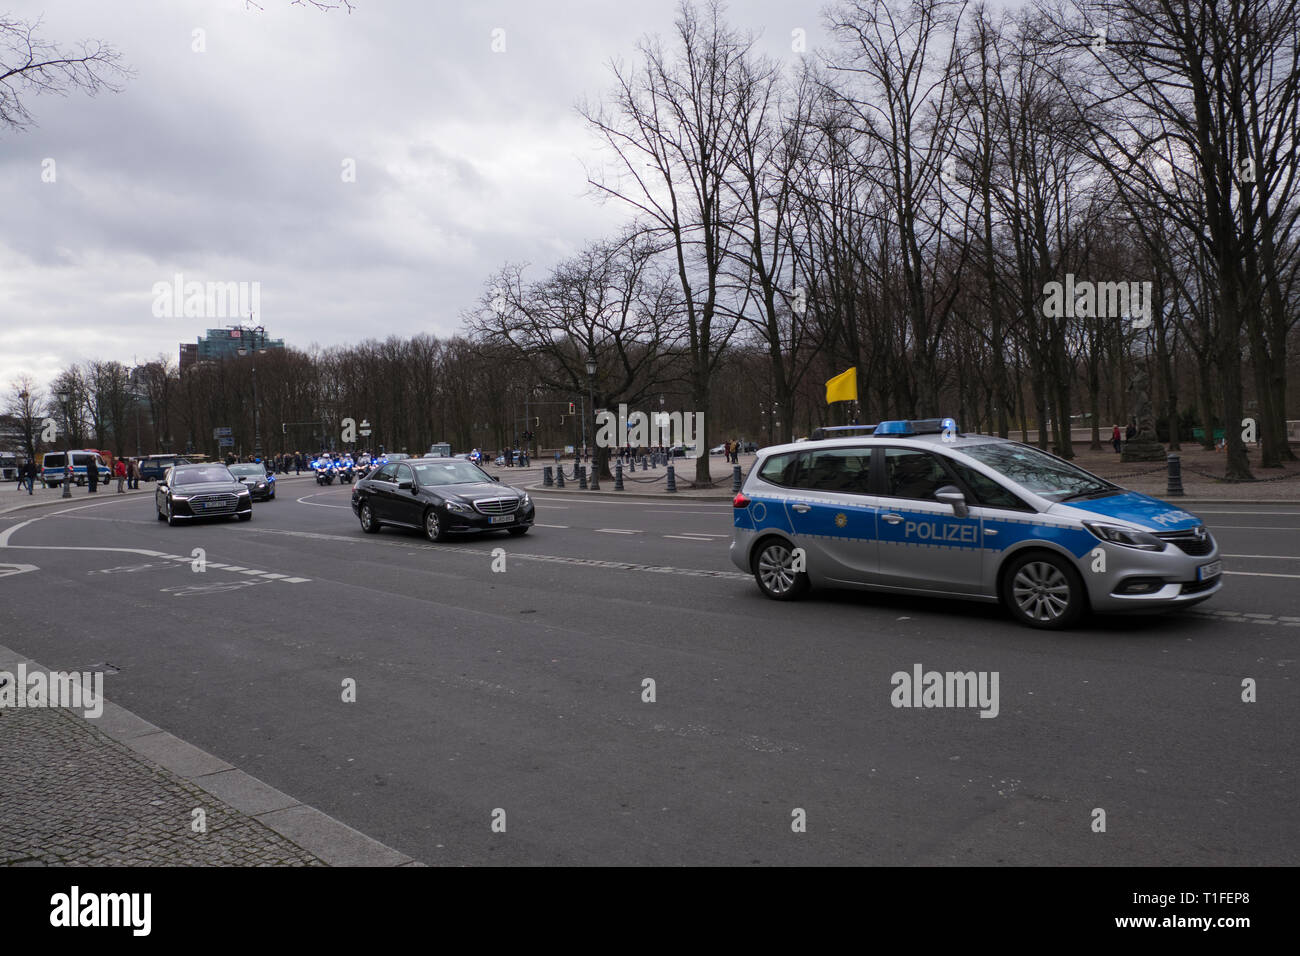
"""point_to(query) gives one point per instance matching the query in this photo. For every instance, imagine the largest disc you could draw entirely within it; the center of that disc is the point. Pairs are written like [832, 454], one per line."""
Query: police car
[916, 507]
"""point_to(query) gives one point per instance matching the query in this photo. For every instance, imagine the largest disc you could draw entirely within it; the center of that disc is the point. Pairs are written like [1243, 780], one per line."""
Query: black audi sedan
[441, 497]
[186, 492]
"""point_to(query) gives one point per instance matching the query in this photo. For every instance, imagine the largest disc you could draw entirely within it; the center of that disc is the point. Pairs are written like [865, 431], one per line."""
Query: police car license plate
[1207, 571]
[501, 519]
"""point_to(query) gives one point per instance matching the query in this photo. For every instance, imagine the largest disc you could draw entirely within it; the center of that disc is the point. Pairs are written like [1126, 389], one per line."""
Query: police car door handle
[801, 508]
[990, 531]
[891, 518]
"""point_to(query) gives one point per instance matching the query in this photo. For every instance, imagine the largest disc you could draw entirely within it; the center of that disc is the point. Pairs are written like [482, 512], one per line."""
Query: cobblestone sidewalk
[70, 795]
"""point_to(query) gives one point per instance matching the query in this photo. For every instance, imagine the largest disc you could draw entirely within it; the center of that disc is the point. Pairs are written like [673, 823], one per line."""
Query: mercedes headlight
[525, 501]
[1127, 537]
[458, 506]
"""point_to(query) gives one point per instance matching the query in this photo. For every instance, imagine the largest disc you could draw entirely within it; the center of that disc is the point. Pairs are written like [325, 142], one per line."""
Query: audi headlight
[243, 491]
[1127, 537]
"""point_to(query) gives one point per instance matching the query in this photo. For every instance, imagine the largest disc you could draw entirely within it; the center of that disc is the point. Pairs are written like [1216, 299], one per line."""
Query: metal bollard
[595, 476]
[735, 478]
[582, 478]
[1175, 487]
[618, 476]
[548, 478]
[632, 463]
[672, 478]
[643, 463]
[559, 478]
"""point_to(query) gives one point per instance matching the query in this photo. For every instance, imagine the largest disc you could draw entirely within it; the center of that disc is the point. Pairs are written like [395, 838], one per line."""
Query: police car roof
[850, 441]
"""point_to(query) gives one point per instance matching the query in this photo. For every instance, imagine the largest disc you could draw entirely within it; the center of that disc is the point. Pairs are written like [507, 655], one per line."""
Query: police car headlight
[1127, 537]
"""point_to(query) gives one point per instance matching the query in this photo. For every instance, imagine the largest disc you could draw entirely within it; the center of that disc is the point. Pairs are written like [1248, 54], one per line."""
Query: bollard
[1175, 487]
[632, 463]
[672, 478]
[582, 478]
[548, 478]
[643, 463]
[559, 478]
[735, 479]
[618, 476]
[595, 477]
[575, 470]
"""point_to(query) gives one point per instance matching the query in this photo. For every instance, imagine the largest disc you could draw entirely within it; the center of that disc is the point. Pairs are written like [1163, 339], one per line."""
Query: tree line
[902, 202]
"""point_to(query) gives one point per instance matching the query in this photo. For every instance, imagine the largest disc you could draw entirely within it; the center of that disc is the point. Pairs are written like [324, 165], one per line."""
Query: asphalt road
[522, 690]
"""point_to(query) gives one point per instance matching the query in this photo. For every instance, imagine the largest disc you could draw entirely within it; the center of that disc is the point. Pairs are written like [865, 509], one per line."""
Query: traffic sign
[222, 432]
[225, 443]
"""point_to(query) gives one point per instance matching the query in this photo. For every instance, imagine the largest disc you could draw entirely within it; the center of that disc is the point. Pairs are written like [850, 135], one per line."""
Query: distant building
[226, 343]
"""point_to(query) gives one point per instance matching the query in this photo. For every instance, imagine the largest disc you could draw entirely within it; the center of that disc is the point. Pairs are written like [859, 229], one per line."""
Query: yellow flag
[843, 387]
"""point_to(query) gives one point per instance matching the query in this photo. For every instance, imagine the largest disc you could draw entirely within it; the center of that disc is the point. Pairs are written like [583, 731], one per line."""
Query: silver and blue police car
[917, 507]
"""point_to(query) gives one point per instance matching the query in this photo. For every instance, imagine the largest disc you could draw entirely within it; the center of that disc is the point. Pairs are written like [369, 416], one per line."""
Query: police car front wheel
[1042, 590]
[774, 570]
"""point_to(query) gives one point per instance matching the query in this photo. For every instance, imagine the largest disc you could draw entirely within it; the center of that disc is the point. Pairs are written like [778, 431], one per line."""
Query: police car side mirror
[495, 477]
[952, 495]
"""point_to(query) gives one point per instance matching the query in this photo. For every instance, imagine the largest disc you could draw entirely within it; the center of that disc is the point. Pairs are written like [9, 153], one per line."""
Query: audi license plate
[501, 519]
[1211, 570]
[214, 504]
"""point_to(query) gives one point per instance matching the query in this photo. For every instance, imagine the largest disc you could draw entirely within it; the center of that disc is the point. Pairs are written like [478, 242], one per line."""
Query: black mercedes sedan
[186, 492]
[441, 497]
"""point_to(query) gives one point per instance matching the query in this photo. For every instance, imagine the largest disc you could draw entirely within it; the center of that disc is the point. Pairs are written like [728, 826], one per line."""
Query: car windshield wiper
[1094, 493]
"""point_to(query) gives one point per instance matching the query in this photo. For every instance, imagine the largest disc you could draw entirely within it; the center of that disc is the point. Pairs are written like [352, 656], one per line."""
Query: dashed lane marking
[616, 531]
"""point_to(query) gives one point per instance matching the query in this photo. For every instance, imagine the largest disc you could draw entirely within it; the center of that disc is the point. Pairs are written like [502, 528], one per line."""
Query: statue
[1144, 446]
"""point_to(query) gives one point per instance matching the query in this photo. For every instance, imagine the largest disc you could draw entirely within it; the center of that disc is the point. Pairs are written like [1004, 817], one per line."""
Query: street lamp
[64, 398]
[591, 402]
[257, 418]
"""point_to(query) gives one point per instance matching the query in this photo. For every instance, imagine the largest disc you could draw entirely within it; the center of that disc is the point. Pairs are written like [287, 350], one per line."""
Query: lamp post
[591, 401]
[257, 418]
[64, 399]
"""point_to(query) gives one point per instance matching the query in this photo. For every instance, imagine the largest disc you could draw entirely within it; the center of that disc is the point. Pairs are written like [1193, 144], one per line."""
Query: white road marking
[683, 537]
[1274, 557]
[615, 531]
[7, 570]
[296, 580]
[316, 504]
[1291, 514]
[562, 526]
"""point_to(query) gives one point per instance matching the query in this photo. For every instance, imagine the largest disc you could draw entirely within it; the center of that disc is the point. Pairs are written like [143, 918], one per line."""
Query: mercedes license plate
[501, 519]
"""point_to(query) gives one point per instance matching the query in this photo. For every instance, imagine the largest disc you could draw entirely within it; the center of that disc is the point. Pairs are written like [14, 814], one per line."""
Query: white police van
[916, 507]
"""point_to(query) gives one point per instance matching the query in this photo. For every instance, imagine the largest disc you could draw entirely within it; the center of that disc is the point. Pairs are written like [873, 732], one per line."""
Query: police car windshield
[1039, 472]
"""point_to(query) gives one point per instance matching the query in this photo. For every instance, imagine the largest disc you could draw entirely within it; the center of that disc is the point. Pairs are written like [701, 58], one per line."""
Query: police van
[54, 467]
[916, 507]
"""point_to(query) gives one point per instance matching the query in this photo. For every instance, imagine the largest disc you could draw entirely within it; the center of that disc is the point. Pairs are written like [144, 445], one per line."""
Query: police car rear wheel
[775, 574]
[1041, 590]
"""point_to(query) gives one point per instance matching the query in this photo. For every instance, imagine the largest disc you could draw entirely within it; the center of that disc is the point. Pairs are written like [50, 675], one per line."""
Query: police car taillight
[740, 501]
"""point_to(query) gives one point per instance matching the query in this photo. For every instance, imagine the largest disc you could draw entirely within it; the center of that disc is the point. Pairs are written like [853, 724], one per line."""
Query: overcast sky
[226, 165]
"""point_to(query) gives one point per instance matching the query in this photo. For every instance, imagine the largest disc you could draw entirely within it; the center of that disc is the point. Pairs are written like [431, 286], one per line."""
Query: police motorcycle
[345, 469]
[362, 466]
[324, 468]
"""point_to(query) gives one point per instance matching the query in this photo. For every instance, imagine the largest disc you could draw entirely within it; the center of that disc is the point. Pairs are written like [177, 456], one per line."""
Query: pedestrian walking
[92, 476]
[119, 472]
[1114, 438]
[29, 472]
